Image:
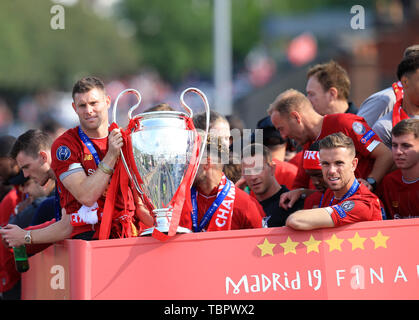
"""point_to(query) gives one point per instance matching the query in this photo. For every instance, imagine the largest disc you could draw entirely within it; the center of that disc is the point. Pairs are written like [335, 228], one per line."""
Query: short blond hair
[288, 101]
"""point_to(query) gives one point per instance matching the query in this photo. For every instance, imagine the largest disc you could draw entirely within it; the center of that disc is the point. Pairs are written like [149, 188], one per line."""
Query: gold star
[380, 240]
[312, 244]
[289, 246]
[266, 247]
[334, 243]
[357, 242]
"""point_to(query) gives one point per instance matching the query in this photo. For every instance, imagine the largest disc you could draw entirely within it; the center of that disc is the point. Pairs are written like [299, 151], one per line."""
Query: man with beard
[214, 203]
[346, 200]
[82, 160]
[312, 167]
[258, 170]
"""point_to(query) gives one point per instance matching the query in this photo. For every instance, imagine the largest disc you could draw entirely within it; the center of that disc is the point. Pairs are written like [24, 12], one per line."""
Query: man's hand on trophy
[115, 142]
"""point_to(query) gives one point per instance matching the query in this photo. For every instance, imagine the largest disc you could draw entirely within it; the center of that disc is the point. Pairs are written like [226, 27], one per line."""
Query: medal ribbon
[214, 207]
[349, 193]
[119, 182]
[88, 143]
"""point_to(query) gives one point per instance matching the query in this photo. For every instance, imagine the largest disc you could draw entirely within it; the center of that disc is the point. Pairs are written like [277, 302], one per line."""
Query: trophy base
[149, 231]
[162, 224]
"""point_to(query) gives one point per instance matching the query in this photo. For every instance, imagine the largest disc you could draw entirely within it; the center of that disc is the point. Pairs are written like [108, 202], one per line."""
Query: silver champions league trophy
[163, 153]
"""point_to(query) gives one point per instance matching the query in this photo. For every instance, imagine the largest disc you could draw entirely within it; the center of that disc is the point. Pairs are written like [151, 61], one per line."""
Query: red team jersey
[247, 212]
[8, 273]
[401, 200]
[313, 200]
[363, 205]
[285, 172]
[70, 154]
[355, 127]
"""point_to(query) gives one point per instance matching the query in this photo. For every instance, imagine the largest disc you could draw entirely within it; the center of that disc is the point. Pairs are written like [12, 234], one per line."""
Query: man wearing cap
[346, 200]
[312, 167]
[258, 171]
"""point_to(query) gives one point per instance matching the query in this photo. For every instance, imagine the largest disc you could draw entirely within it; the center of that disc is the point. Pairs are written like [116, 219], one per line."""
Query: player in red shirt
[346, 200]
[294, 116]
[312, 195]
[9, 277]
[400, 189]
[311, 165]
[83, 159]
[214, 203]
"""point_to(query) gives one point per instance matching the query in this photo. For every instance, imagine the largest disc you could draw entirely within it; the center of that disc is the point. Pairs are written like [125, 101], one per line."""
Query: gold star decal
[334, 243]
[266, 247]
[357, 242]
[380, 240]
[289, 246]
[312, 244]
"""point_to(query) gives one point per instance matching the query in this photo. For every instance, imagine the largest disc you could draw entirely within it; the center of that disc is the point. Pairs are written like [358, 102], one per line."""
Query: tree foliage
[33, 56]
[175, 36]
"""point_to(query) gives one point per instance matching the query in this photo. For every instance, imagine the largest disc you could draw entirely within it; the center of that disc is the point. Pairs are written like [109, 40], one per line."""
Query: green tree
[174, 36]
[34, 57]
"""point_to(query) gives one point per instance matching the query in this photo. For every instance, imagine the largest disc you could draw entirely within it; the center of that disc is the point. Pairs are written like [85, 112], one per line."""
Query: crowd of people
[321, 163]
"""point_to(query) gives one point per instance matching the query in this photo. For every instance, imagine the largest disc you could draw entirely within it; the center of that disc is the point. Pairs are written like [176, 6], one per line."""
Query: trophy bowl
[164, 151]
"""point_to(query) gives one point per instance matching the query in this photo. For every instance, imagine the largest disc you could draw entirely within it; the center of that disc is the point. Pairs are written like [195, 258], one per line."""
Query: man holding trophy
[83, 159]
[114, 183]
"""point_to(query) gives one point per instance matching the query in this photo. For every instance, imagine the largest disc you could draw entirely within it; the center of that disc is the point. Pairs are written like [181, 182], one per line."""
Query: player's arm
[383, 162]
[142, 212]
[87, 189]
[287, 199]
[310, 219]
[60, 230]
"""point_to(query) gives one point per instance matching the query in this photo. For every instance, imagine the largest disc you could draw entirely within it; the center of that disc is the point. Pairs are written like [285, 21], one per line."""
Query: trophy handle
[115, 105]
[133, 91]
[207, 110]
